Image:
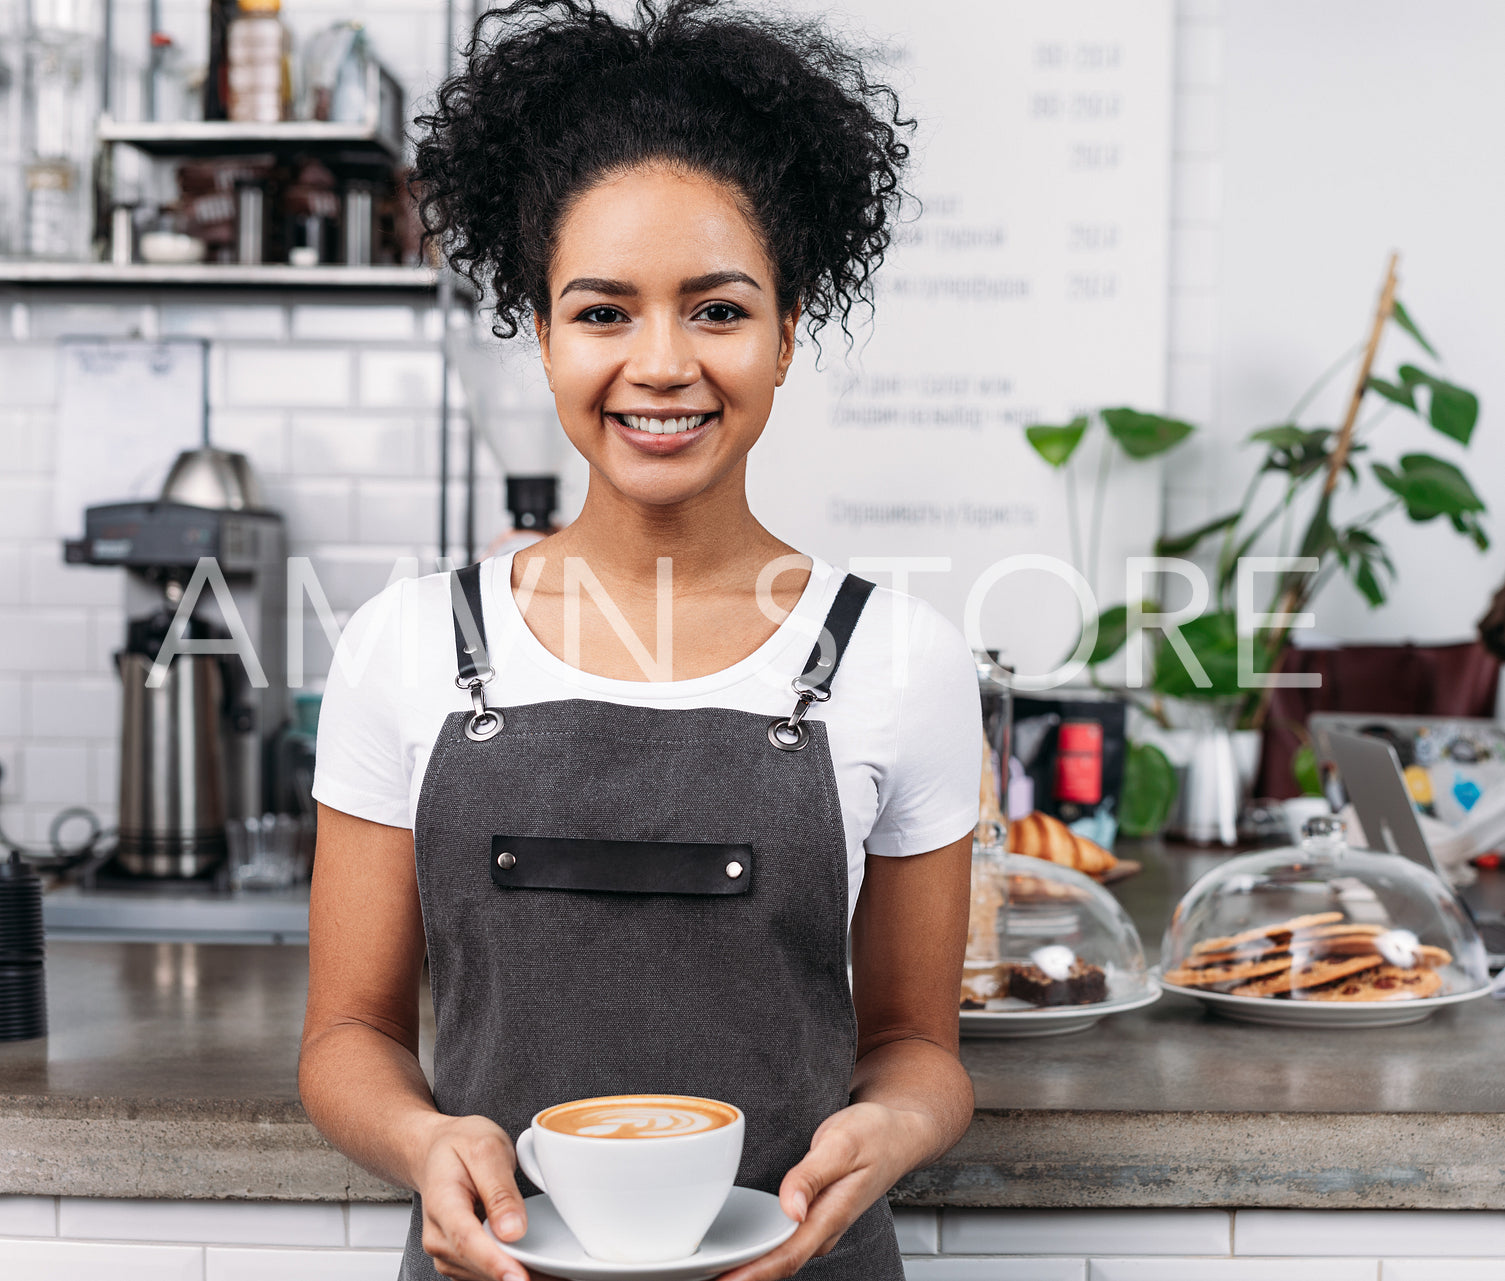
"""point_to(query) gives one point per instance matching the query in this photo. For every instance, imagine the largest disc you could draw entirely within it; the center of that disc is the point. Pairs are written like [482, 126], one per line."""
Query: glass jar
[996, 691]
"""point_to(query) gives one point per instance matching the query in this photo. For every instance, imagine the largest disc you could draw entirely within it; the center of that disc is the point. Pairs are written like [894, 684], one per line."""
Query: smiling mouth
[663, 426]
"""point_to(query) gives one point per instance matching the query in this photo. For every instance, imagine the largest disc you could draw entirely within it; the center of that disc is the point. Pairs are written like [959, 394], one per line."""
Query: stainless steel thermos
[23, 993]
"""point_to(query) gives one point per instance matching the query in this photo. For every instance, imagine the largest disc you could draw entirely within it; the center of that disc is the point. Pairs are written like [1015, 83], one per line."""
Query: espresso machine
[206, 577]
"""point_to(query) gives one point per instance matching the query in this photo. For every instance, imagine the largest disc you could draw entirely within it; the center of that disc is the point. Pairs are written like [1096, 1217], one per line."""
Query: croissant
[1041, 836]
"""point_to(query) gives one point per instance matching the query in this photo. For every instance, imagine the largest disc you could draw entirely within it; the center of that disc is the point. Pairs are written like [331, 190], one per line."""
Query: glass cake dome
[1042, 936]
[1323, 934]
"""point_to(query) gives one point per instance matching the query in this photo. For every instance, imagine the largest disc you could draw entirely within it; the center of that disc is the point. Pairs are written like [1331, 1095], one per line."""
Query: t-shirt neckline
[799, 628]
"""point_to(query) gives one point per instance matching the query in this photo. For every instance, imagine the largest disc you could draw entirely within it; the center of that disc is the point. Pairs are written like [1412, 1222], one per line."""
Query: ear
[541, 328]
[786, 344]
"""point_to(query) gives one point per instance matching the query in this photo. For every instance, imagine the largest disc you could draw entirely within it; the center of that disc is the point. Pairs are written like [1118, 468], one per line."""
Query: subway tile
[106, 634]
[93, 320]
[37, 640]
[400, 379]
[25, 506]
[1233, 1270]
[1196, 190]
[28, 372]
[11, 776]
[104, 774]
[50, 580]
[73, 707]
[358, 445]
[353, 322]
[86, 1261]
[1193, 324]
[301, 1265]
[252, 1222]
[379, 1225]
[224, 320]
[10, 574]
[1082, 1232]
[396, 511]
[262, 438]
[1190, 389]
[1414, 1232]
[919, 1231]
[270, 376]
[315, 510]
[1198, 123]
[1199, 10]
[12, 706]
[26, 441]
[27, 1216]
[1199, 55]
[1442, 1269]
[1196, 257]
[54, 774]
[960, 1269]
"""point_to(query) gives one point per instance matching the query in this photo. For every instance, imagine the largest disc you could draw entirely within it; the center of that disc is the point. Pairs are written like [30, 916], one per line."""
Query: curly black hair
[557, 95]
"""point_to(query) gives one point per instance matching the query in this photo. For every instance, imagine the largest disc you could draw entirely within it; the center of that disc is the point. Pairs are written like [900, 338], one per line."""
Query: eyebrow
[691, 285]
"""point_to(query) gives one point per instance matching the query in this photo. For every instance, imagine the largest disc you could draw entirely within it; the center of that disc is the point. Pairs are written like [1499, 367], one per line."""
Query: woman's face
[665, 342]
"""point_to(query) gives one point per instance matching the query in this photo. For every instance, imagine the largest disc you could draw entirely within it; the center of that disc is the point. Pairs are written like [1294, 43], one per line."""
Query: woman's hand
[855, 1156]
[468, 1161]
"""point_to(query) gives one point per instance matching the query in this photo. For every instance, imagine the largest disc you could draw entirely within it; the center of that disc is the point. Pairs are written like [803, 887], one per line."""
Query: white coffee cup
[648, 1198]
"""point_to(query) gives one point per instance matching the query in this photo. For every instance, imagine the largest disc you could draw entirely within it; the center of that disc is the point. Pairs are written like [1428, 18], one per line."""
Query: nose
[663, 354]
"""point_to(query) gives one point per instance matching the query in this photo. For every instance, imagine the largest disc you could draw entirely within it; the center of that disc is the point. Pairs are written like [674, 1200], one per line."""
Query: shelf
[226, 138]
[215, 276]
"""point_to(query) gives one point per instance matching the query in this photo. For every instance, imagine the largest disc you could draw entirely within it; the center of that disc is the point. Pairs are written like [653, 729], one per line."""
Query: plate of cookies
[1323, 936]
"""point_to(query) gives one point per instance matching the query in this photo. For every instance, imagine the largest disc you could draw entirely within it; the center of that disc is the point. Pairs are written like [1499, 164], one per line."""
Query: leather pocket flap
[620, 867]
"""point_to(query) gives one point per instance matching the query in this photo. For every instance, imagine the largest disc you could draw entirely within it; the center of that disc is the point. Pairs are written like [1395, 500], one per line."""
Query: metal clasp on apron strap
[790, 733]
[481, 722]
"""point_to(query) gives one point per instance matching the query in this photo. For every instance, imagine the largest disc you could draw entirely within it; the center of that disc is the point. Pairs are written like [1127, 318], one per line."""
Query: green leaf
[1180, 544]
[1306, 771]
[1403, 318]
[1430, 487]
[1285, 436]
[1112, 632]
[1396, 393]
[1468, 523]
[1149, 791]
[1367, 581]
[1298, 451]
[1213, 639]
[1453, 410]
[1056, 444]
[1145, 435]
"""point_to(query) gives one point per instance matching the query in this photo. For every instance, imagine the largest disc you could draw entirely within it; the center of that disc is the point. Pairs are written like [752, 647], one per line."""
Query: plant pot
[1215, 766]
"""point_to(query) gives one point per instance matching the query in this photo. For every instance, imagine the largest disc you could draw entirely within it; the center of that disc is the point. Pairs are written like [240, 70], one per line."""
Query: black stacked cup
[23, 992]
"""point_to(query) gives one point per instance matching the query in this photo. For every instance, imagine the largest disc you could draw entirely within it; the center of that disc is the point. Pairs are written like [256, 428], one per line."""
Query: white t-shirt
[904, 720]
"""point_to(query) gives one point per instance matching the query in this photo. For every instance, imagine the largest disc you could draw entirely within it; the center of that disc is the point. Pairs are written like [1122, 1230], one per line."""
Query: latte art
[642, 1116]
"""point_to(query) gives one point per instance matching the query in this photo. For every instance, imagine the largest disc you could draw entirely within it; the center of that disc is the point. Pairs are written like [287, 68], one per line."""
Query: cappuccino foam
[637, 1116]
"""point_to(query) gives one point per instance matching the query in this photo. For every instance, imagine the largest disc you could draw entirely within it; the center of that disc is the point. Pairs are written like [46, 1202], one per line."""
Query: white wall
[1348, 129]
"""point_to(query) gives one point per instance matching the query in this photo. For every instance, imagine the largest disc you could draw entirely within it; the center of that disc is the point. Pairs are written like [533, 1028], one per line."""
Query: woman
[666, 201]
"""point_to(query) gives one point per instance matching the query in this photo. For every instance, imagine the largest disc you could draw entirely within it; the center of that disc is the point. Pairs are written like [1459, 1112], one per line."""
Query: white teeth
[663, 426]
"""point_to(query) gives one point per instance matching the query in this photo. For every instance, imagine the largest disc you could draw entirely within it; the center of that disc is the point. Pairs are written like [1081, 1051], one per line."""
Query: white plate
[750, 1225]
[1055, 1020]
[1277, 1013]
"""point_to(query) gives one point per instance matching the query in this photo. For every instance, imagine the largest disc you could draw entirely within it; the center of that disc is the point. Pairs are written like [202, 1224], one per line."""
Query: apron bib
[630, 900]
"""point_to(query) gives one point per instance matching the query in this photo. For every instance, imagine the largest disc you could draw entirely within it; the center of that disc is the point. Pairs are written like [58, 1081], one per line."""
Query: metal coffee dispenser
[198, 747]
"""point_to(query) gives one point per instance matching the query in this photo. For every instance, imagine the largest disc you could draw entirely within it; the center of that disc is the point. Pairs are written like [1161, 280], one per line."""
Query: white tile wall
[918, 1231]
[1082, 1232]
[1422, 1232]
[252, 1223]
[1441, 1270]
[379, 1225]
[78, 1261]
[1233, 1270]
[28, 1216]
[301, 1265]
[995, 1269]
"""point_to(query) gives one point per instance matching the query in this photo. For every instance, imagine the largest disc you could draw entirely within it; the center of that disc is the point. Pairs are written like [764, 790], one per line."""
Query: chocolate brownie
[1082, 985]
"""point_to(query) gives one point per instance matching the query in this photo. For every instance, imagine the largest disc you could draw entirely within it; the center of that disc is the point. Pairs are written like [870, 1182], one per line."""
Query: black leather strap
[619, 867]
[470, 627]
[846, 609]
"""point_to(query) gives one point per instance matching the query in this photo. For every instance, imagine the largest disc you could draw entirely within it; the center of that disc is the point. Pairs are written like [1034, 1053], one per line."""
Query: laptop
[1372, 777]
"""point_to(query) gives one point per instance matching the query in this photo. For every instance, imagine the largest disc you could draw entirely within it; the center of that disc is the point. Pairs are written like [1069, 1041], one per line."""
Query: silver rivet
[505, 860]
[734, 869]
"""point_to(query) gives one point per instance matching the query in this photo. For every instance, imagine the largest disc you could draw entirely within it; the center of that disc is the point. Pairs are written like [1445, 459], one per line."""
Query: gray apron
[625, 900]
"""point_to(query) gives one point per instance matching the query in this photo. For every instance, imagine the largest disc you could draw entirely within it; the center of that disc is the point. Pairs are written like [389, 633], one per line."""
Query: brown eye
[722, 313]
[600, 315]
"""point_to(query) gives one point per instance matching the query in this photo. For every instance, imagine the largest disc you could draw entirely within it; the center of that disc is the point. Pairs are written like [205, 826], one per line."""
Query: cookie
[1313, 974]
[1343, 930]
[1278, 930]
[1238, 972]
[1387, 983]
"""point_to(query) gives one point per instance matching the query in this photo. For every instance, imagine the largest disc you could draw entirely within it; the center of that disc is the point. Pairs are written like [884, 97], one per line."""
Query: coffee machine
[206, 573]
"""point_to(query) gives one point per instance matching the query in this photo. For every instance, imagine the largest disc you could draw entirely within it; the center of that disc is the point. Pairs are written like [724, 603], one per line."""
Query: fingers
[831, 1213]
[476, 1168]
[491, 1164]
[460, 1247]
[834, 1152]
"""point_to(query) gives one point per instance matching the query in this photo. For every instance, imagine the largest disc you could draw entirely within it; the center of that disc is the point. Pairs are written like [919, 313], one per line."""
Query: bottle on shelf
[258, 55]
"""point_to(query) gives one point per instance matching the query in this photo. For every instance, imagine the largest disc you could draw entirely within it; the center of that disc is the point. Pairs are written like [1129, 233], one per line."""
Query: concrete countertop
[170, 1072]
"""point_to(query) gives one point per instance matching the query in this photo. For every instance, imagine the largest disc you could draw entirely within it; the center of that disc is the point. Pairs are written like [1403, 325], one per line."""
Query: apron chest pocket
[620, 867]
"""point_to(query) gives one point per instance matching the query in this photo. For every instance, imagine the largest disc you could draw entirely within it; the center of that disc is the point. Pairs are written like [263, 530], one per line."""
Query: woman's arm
[911, 1097]
[358, 1070]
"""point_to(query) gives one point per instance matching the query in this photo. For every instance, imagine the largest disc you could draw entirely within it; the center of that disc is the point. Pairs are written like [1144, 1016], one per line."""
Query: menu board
[1031, 287]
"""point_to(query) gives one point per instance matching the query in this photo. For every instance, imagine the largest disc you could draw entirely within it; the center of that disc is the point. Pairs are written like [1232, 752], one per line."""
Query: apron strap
[473, 664]
[813, 685]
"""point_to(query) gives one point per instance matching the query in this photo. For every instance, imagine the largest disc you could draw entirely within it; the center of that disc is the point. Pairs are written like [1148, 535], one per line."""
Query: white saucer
[750, 1225]
[1018, 1019]
[1324, 1014]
